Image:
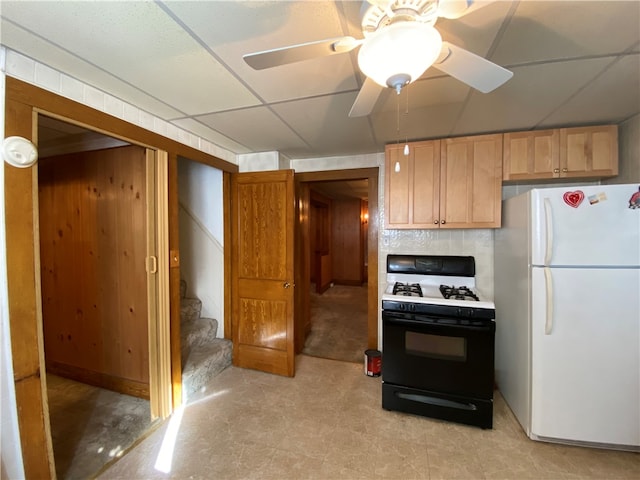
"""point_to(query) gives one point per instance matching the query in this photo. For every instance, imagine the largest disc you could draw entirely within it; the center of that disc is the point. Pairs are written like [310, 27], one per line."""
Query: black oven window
[436, 346]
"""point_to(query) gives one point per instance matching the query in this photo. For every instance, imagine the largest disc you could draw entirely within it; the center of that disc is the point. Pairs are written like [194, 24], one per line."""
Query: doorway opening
[338, 264]
[96, 201]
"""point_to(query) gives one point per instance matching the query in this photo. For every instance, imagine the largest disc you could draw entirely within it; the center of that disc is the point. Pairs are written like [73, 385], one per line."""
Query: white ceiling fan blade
[366, 99]
[471, 69]
[453, 9]
[303, 51]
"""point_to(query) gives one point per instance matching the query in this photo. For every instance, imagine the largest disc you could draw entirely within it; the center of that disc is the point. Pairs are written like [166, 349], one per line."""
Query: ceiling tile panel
[203, 131]
[138, 43]
[528, 98]
[477, 30]
[421, 123]
[597, 103]
[325, 124]
[32, 46]
[543, 30]
[272, 25]
[257, 128]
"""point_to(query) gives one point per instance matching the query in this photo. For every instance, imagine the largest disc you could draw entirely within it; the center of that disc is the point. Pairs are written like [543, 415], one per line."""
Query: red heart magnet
[573, 199]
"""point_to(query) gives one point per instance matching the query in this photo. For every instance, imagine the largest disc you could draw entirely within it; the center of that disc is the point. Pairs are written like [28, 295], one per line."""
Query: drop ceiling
[574, 63]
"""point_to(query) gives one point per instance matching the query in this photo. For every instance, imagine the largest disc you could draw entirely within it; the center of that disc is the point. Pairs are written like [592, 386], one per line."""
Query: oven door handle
[399, 319]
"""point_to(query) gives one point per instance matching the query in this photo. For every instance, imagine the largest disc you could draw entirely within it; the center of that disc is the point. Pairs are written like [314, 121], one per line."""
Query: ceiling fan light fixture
[399, 53]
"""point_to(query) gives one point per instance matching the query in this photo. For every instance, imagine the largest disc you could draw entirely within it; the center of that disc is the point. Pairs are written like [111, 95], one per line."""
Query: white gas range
[446, 282]
[437, 340]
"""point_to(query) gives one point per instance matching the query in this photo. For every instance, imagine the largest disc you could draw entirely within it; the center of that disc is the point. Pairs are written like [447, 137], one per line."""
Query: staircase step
[183, 289]
[195, 333]
[190, 309]
[205, 362]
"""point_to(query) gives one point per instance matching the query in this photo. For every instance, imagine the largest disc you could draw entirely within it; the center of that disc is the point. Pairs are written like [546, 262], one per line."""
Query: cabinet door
[531, 155]
[589, 151]
[471, 182]
[412, 185]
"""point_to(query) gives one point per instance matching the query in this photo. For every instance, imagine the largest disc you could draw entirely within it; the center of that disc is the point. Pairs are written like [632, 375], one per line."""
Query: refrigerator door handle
[548, 280]
[548, 218]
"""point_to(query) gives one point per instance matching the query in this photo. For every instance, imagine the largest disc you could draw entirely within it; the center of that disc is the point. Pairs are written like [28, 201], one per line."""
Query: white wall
[629, 152]
[201, 225]
[10, 450]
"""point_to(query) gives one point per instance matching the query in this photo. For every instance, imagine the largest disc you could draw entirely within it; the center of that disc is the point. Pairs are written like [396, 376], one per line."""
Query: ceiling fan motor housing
[379, 14]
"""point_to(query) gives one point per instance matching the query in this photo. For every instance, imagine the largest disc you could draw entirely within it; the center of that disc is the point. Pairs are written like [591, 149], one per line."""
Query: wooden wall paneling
[302, 307]
[24, 319]
[364, 244]
[346, 231]
[373, 228]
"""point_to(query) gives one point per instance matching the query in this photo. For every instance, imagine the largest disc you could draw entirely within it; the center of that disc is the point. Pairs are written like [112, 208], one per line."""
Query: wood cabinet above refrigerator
[578, 152]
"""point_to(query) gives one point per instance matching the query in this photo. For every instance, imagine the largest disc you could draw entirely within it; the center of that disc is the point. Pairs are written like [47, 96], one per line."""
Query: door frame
[23, 103]
[303, 308]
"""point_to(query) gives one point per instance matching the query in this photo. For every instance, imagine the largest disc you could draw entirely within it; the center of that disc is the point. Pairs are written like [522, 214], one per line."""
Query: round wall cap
[19, 152]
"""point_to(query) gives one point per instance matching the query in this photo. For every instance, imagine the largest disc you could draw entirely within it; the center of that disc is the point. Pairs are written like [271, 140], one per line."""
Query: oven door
[442, 355]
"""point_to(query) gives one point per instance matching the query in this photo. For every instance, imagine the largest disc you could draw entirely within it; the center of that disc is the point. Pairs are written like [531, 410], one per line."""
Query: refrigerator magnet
[634, 201]
[597, 198]
[573, 199]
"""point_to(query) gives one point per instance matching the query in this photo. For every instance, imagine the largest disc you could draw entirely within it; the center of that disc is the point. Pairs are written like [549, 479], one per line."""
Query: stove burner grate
[458, 293]
[407, 289]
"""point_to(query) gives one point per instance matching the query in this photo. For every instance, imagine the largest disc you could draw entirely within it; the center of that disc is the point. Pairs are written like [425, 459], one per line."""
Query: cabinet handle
[443, 222]
[556, 170]
[564, 170]
[436, 222]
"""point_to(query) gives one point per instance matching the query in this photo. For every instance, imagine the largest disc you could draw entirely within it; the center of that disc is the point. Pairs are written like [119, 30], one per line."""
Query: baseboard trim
[97, 379]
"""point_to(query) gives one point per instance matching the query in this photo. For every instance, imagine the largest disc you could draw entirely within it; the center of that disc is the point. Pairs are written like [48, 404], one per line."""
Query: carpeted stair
[203, 355]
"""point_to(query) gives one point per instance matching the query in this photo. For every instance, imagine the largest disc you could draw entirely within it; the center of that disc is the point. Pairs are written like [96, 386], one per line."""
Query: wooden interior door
[263, 205]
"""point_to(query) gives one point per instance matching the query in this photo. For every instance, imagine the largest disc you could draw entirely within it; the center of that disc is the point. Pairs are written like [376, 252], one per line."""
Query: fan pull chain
[396, 167]
[406, 143]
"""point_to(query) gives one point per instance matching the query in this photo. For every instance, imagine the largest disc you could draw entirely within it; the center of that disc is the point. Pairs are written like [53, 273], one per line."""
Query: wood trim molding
[20, 187]
[70, 111]
[372, 175]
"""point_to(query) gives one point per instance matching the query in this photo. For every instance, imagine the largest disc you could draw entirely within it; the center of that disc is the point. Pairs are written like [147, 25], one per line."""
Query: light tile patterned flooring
[327, 423]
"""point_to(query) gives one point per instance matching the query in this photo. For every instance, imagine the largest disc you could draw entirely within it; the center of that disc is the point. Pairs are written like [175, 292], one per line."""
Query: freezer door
[599, 230]
[585, 355]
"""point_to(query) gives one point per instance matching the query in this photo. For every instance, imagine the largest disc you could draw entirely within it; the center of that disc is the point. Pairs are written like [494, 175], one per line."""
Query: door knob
[286, 285]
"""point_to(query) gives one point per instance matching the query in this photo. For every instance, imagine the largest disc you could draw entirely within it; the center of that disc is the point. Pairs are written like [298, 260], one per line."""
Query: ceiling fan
[400, 43]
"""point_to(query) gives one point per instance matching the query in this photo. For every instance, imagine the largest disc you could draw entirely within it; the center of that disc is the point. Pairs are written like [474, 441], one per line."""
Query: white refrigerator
[567, 296]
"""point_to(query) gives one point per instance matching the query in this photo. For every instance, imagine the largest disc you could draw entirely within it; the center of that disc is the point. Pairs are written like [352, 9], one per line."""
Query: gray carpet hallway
[91, 426]
[338, 324]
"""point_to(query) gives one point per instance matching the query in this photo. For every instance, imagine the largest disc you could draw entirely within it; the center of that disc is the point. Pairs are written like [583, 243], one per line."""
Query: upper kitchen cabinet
[589, 152]
[471, 182]
[412, 185]
[451, 183]
[531, 155]
[579, 152]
